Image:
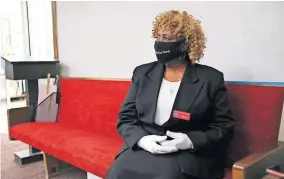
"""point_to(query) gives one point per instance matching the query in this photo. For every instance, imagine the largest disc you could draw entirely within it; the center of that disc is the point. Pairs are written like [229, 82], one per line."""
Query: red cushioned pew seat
[83, 149]
[85, 134]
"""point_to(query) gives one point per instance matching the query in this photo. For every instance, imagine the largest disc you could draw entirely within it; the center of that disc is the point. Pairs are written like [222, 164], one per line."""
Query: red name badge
[181, 115]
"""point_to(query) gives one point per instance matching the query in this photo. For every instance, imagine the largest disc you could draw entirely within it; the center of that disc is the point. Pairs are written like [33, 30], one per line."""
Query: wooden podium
[30, 71]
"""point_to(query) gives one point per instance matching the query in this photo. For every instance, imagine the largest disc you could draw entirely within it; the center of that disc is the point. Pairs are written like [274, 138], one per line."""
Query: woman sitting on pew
[176, 120]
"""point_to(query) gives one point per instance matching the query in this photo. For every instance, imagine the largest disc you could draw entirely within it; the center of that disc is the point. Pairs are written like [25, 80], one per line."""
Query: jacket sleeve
[129, 126]
[220, 130]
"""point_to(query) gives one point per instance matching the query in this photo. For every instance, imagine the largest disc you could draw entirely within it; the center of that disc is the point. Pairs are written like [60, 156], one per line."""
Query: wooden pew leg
[54, 166]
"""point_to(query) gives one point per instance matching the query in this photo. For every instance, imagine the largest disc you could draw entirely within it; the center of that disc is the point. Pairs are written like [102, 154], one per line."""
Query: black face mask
[167, 51]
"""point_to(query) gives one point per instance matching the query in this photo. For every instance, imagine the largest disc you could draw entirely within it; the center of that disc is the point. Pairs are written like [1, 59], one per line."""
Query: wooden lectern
[30, 71]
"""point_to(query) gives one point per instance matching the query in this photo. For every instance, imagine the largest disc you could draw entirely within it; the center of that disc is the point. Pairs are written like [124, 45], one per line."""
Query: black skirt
[140, 164]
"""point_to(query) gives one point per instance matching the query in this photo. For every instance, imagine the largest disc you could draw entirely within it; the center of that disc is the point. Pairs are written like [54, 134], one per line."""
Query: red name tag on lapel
[181, 115]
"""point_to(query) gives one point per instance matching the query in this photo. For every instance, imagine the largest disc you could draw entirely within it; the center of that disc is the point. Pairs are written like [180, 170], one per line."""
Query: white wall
[108, 39]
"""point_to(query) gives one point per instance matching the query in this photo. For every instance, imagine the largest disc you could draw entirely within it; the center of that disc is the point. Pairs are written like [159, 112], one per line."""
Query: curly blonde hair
[185, 26]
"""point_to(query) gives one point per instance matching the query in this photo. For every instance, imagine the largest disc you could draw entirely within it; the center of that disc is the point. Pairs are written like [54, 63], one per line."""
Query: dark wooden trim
[258, 162]
[55, 30]
[271, 177]
[54, 166]
[238, 173]
[17, 116]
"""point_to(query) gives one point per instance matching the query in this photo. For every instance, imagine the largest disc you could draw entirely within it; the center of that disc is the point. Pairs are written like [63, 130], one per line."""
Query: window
[12, 33]
[40, 29]
[25, 30]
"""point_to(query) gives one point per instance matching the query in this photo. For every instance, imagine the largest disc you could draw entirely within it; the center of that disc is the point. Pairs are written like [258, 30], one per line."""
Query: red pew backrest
[93, 105]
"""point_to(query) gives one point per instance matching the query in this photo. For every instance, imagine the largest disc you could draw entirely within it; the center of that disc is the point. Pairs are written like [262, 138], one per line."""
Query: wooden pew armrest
[17, 116]
[254, 165]
[46, 111]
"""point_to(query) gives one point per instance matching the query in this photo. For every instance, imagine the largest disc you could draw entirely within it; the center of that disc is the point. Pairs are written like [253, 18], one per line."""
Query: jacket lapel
[189, 89]
[150, 89]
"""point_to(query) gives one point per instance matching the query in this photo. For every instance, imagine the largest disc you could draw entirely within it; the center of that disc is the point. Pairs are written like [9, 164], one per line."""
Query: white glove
[180, 140]
[149, 143]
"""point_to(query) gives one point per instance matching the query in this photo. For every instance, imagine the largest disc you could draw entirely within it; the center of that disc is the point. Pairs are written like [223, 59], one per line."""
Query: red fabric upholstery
[92, 105]
[92, 152]
[257, 111]
[86, 137]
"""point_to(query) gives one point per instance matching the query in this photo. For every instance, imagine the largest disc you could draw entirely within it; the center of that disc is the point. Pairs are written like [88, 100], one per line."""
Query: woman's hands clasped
[179, 140]
[151, 144]
[160, 145]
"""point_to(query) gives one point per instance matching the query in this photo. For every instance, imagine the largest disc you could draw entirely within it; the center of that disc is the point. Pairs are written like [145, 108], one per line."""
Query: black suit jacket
[202, 93]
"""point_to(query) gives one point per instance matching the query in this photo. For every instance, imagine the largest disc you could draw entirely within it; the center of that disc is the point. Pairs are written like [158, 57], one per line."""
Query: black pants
[144, 165]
